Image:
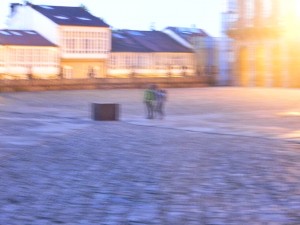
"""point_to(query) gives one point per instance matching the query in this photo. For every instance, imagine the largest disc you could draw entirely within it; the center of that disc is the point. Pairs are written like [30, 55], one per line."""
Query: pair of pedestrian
[154, 100]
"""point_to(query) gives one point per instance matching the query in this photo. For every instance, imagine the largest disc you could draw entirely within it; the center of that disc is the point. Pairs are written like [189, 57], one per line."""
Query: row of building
[259, 47]
[44, 42]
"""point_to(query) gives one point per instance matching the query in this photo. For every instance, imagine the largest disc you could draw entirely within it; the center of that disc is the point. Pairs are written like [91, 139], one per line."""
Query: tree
[84, 7]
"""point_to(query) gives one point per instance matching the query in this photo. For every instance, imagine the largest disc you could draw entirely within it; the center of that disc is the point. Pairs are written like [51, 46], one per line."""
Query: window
[83, 18]
[4, 32]
[113, 62]
[96, 71]
[232, 5]
[32, 57]
[16, 33]
[46, 7]
[67, 72]
[127, 61]
[30, 32]
[267, 8]
[92, 42]
[62, 17]
[250, 10]
[1, 56]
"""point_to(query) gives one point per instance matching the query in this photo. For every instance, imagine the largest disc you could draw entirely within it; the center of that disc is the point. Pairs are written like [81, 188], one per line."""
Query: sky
[142, 14]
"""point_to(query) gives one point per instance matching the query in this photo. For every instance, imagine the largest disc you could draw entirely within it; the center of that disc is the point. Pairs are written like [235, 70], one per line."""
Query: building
[149, 53]
[226, 47]
[84, 40]
[204, 46]
[266, 42]
[25, 54]
[85, 47]
[225, 55]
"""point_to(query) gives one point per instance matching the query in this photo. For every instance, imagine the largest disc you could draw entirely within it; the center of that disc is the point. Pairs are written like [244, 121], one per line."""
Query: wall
[84, 84]
[80, 67]
[46, 27]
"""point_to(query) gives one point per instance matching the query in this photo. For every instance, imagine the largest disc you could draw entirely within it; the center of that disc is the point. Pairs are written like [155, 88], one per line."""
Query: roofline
[152, 52]
[32, 6]
[178, 38]
[64, 25]
[48, 46]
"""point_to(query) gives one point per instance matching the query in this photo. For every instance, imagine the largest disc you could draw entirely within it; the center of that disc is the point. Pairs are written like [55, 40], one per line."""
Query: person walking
[161, 97]
[149, 100]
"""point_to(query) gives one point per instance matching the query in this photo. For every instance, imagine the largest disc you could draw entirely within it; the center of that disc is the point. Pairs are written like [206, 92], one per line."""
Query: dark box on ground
[105, 112]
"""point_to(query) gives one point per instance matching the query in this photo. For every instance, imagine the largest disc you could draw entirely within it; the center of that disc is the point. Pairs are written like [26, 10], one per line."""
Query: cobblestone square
[221, 156]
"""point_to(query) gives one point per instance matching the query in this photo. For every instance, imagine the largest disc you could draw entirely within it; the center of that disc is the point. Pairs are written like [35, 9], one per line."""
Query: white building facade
[26, 54]
[84, 40]
[82, 46]
[149, 53]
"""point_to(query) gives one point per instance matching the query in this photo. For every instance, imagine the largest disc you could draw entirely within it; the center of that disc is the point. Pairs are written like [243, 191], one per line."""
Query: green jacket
[149, 95]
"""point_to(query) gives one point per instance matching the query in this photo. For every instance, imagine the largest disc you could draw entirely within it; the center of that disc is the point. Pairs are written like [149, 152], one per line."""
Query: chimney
[27, 3]
[152, 26]
[13, 7]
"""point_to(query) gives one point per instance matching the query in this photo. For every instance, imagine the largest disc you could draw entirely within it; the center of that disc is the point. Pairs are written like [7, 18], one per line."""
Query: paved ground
[221, 156]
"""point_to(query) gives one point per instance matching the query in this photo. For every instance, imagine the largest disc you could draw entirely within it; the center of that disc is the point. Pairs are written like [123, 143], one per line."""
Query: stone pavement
[221, 156]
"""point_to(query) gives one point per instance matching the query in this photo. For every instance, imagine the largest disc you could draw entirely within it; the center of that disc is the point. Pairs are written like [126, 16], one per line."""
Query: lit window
[83, 18]
[136, 33]
[4, 32]
[76, 41]
[46, 7]
[250, 9]
[30, 32]
[67, 72]
[267, 7]
[16, 33]
[61, 17]
[117, 35]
